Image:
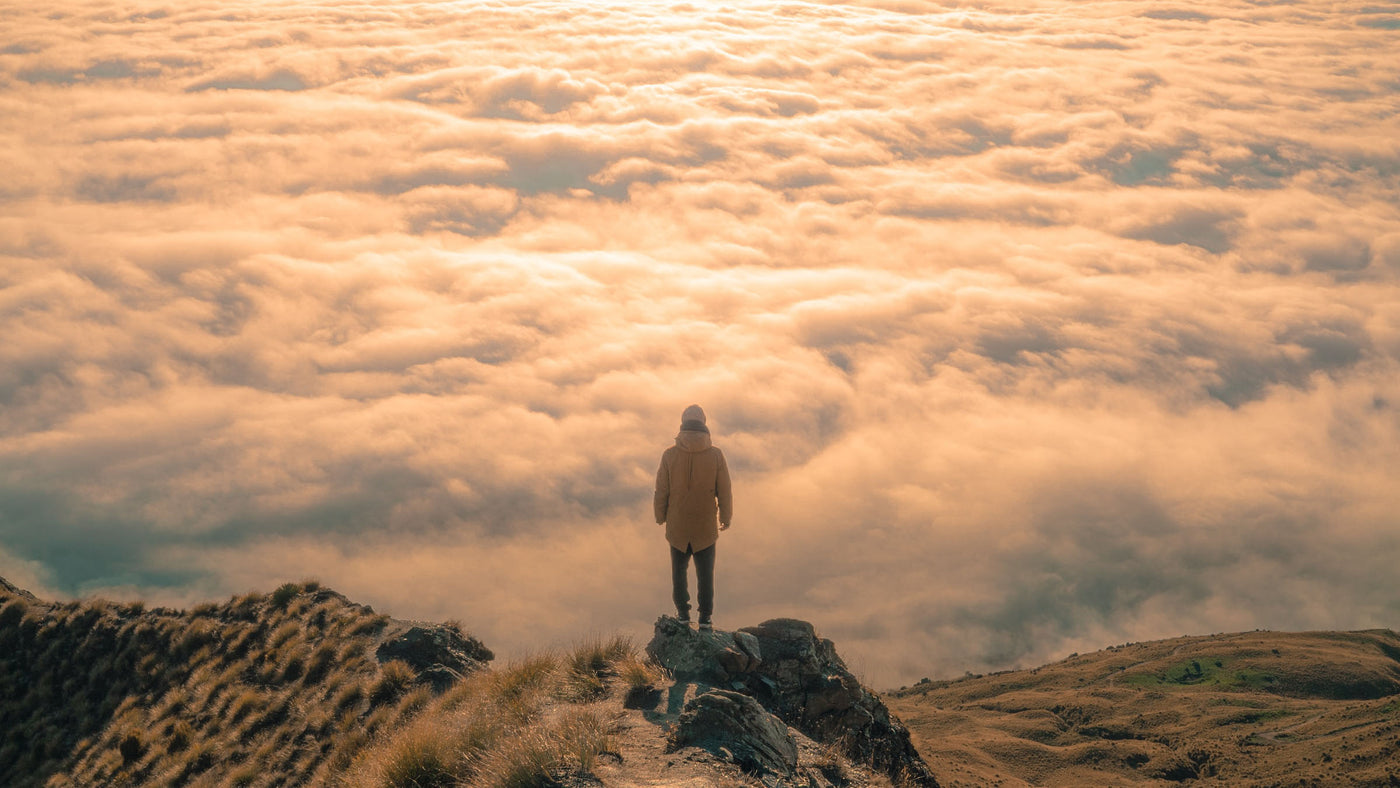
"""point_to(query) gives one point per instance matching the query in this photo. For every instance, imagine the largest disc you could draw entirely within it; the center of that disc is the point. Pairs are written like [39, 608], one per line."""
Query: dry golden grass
[1257, 708]
[638, 673]
[284, 634]
[395, 677]
[136, 696]
[322, 659]
[590, 663]
[284, 689]
[568, 742]
[514, 727]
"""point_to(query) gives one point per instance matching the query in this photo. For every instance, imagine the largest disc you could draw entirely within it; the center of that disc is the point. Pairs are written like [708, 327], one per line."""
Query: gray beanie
[693, 419]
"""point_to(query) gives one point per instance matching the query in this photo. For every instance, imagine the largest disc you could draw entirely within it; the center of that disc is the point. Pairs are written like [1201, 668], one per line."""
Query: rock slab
[717, 657]
[735, 726]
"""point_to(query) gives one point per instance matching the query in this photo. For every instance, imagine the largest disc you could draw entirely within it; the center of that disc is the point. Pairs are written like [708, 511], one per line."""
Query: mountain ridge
[97, 692]
[302, 686]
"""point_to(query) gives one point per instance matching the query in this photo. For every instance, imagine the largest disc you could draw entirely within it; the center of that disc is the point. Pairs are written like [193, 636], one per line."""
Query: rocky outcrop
[719, 658]
[440, 654]
[737, 728]
[804, 681]
[799, 678]
[8, 588]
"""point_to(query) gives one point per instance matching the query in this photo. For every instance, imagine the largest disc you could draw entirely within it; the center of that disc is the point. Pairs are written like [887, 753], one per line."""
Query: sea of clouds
[1027, 328]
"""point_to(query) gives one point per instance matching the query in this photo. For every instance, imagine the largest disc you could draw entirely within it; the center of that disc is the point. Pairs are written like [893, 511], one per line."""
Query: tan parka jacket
[692, 486]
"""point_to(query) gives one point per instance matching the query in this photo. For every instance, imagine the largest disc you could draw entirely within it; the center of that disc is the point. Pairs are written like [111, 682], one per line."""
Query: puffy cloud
[1026, 329]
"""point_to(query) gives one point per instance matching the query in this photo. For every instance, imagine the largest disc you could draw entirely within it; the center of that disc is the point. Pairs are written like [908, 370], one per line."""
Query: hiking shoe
[706, 625]
[684, 618]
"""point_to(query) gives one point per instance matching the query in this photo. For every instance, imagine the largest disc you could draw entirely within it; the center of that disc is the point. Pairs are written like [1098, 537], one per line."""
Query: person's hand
[724, 526]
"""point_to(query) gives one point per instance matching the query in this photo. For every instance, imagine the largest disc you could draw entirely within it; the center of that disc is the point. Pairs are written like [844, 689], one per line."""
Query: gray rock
[439, 677]
[799, 677]
[738, 728]
[440, 654]
[716, 658]
[804, 681]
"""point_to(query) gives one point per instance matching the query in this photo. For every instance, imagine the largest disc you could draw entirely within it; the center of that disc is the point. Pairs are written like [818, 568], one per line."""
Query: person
[692, 491]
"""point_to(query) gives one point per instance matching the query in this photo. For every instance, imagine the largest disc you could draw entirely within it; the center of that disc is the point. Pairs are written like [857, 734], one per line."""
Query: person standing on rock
[692, 492]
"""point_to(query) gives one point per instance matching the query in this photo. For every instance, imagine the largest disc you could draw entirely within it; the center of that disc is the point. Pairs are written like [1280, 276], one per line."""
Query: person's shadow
[664, 715]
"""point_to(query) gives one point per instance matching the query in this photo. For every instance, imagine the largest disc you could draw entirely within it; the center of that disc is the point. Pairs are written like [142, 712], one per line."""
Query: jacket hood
[692, 440]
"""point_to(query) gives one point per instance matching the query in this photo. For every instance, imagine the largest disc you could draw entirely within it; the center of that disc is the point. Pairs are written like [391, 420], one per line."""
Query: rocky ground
[776, 701]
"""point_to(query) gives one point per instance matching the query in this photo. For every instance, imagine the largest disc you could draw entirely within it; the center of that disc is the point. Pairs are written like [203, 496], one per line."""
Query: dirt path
[640, 759]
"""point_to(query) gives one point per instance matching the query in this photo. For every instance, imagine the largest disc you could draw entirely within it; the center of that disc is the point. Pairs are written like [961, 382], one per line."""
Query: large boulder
[800, 678]
[736, 727]
[718, 658]
[440, 654]
[804, 681]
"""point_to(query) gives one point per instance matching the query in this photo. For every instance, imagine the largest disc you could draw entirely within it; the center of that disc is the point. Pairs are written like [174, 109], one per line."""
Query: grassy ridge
[279, 689]
[283, 684]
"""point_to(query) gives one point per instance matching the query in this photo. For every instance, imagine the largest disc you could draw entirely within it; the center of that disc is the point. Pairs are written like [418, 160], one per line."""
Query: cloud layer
[1026, 329]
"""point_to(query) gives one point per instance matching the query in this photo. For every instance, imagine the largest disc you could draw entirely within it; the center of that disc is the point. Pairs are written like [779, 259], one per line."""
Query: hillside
[302, 687]
[270, 689]
[1248, 709]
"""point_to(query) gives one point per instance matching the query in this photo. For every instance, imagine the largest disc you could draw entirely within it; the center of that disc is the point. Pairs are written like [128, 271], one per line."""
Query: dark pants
[704, 578]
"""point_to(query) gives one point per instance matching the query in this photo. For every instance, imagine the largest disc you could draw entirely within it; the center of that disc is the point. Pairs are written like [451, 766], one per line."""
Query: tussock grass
[395, 677]
[130, 695]
[247, 702]
[284, 594]
[567, 743]
[284, 634]
[637, 673]
[426, 755]
[181, 733]
[282, 689]
[518, 684]
[349, 696]
[414, 702]
[504, 728]
[370, 626]
[321, 661]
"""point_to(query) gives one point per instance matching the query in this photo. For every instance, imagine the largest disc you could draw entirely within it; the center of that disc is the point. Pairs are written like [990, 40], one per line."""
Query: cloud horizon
[1025, 329]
